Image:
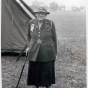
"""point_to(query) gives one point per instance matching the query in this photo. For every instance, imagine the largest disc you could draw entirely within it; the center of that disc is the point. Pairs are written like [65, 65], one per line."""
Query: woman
[42, 50]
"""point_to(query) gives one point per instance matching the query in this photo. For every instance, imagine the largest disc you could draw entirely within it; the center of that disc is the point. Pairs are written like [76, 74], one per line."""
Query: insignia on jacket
[32, 27]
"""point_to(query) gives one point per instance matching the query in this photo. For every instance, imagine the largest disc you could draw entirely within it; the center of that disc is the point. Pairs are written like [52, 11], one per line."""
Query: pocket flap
[51, 44]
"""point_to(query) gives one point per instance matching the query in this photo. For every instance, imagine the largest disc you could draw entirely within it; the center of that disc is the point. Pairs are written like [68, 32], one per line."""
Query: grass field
[70, 64]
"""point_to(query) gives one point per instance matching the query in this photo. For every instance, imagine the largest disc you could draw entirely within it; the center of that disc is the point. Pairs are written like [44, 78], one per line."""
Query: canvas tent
[14, 19]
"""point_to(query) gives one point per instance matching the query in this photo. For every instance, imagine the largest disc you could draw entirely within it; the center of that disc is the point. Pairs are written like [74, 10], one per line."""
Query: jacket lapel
[43, 25]
[36, 24]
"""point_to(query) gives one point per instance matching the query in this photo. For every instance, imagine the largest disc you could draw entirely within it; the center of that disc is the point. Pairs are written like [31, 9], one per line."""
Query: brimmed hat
[41, 9]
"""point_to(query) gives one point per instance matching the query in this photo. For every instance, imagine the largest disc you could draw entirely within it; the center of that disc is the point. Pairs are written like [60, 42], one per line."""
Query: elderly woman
[42, 50]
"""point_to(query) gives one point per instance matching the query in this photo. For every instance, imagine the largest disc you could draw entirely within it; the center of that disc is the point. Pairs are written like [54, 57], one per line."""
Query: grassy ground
[70, 64]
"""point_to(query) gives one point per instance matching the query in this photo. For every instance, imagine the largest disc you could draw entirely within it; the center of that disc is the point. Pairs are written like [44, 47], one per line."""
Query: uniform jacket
[46, 50]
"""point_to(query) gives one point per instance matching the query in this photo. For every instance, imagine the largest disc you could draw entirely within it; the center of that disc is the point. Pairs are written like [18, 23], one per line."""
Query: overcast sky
[67, 3]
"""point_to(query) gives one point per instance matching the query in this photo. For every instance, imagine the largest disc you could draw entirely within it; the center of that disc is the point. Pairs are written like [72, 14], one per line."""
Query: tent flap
[13, 26]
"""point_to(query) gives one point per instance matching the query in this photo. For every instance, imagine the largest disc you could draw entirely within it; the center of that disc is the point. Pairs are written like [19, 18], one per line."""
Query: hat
[42, 9]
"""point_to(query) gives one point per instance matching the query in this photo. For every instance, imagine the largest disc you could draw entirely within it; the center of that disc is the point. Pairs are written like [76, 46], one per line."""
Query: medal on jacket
[39, 41]
[32, 27]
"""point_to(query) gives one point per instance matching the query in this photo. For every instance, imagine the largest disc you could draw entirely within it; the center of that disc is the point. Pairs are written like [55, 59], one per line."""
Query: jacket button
[38, 35]
[48, 29]
[51, 44]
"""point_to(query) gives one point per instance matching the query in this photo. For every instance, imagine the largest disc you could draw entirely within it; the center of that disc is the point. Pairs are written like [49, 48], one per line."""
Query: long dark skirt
[41, 73]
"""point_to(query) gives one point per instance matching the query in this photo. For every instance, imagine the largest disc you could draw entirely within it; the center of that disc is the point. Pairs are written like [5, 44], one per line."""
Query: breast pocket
[48, 30]
[33, 33]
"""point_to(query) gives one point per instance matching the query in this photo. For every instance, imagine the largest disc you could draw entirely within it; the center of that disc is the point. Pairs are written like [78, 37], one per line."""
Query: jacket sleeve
[54, 37]
[28, 35]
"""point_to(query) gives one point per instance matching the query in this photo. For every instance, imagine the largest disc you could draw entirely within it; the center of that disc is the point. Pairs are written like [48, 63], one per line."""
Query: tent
[14, 19]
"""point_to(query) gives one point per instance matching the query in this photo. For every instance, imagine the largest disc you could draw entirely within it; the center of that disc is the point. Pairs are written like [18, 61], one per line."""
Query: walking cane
[21, 52]
[21, 72]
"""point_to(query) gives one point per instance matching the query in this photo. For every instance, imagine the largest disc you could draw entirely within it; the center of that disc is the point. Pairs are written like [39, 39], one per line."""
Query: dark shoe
[48, 87]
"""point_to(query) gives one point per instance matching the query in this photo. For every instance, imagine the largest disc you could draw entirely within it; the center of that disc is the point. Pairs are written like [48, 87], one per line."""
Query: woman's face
[40, 15]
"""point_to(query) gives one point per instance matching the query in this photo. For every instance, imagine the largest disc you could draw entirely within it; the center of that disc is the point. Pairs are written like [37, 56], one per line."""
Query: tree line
[55, 7]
